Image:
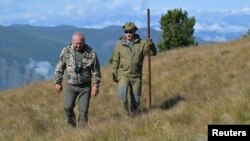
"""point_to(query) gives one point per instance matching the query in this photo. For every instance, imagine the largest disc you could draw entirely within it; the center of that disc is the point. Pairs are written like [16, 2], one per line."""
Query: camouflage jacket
[128, 59]
[88, 70]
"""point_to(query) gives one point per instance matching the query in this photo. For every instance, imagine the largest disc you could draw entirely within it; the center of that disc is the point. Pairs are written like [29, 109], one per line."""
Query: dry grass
[191, 88]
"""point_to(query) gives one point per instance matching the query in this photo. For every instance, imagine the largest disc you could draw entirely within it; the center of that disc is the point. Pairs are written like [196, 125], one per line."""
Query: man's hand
[95, 90]
[150, 42]
[58, 88]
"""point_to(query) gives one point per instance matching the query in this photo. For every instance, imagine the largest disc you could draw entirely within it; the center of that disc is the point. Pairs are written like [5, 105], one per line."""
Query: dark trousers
[82, 92]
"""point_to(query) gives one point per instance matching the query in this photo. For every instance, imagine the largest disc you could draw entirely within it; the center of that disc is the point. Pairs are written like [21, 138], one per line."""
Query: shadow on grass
[165, 105]
[170, 102]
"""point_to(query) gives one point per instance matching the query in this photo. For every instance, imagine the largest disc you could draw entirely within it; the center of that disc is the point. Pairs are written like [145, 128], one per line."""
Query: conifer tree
[178, 30]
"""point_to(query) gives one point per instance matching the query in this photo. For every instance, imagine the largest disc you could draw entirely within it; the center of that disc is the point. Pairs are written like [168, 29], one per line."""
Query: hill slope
[192, 87]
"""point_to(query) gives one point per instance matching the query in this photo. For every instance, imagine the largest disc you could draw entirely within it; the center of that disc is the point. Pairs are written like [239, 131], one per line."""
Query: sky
[211, 15]
[222, 17]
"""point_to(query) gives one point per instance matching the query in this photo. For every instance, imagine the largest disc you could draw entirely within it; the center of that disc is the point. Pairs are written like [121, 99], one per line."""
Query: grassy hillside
[191, 88]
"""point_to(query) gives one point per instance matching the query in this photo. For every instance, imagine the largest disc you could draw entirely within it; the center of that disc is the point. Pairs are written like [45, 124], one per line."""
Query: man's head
[129, 30]
[78, 40]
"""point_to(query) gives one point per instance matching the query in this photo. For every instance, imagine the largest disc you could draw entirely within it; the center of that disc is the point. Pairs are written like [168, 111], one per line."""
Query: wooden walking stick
[149, 60]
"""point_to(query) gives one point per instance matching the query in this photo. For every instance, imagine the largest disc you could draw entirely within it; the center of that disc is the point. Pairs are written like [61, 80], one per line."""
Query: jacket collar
[83, 49]
[136, 40]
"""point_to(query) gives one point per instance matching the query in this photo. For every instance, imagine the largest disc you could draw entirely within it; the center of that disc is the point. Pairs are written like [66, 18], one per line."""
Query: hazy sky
[201, 4]
[211, 15]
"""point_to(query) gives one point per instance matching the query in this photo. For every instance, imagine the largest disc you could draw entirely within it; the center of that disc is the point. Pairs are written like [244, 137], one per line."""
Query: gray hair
[80, 34]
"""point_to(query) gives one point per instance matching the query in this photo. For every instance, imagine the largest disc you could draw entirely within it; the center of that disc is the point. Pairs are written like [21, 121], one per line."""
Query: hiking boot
[82, 125]
[72, 123]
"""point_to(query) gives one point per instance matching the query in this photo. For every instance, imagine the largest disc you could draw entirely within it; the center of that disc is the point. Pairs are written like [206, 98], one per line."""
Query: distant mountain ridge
[24, 47]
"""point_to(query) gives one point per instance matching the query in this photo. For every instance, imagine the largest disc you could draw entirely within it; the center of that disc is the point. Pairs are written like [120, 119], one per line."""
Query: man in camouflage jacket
[127, 66]
[81, 65]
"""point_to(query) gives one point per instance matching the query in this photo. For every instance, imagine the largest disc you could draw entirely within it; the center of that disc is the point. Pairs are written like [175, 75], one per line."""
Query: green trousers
[134, 85]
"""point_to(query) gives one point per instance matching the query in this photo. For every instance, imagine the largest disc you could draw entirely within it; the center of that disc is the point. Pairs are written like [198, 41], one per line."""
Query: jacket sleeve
[60, 67]
[116, 60]
[96, 73]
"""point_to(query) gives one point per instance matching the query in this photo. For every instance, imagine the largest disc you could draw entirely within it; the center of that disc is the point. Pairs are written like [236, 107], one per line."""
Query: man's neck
[80, 50]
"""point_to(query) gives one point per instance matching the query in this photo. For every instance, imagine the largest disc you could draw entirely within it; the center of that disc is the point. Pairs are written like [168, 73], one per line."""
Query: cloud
[217, 27]
[77, 13]
[9, 7]
[246, 10]
[215, 38]
[40, 69]
[99, 14]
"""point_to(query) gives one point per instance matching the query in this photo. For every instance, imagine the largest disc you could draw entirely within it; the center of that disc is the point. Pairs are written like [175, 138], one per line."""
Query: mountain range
[30, 53]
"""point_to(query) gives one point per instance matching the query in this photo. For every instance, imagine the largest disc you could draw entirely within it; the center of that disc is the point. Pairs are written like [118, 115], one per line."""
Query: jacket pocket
[85, 74]
[125, 67]
[137, 68]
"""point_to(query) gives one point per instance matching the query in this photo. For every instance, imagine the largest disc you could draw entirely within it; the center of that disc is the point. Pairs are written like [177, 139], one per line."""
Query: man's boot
[71, 117]
[126, 107]
[83, 120]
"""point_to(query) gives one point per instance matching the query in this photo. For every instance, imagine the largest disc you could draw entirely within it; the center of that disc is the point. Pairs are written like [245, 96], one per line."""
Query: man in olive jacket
[127, 66]
[81, 65]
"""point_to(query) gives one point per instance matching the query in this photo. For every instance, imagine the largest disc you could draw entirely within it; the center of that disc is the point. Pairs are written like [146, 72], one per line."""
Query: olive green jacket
[128, 61]
[89, 66]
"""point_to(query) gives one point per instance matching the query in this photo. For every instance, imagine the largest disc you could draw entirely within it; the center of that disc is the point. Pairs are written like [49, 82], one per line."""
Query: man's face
[129, 34]
[77, 42]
